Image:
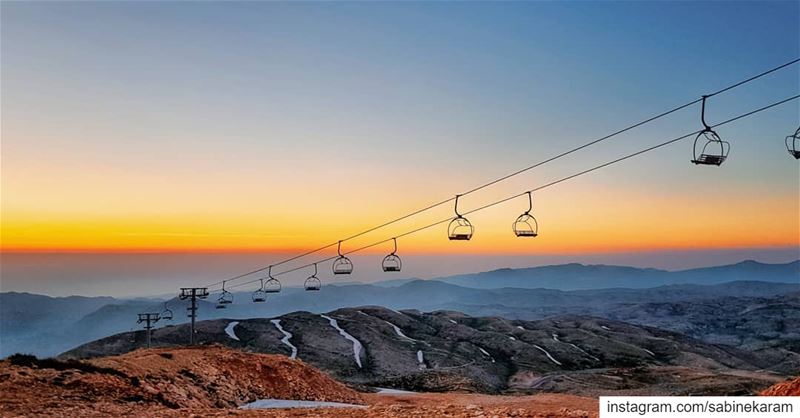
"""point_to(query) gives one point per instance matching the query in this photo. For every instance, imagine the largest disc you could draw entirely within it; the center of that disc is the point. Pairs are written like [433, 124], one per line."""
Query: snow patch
[453, 321]
[357, 347]
[605, 327]
[287, 403]
[286, 336]
[486, 353]
[520, 328]
[421, 360]
[387, 391]
[649, 352]
[555, 338]
[548, 355]
[229, 330]
[512, 338]
[399, 332]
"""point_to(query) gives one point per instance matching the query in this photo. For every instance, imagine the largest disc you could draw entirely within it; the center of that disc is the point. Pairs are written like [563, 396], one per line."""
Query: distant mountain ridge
[576, 276]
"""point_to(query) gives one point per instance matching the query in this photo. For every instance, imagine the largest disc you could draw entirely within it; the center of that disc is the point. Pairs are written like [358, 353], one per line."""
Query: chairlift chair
[272, 285]
[312, 283]
[459, 229]
[793, 144]
[259, 295]
[225, 298]
[526, 225]
[166, 314]
[392, 261]
[709, 148]
[342, 264]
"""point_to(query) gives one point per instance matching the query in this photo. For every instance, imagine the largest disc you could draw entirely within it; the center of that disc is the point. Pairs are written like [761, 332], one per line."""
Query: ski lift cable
[544, 186]
[516, 173]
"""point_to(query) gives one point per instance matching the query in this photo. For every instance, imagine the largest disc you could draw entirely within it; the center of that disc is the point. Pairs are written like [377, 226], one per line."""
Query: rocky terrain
[160, 381]
[788, 388]
[450, 351]
[216, 381]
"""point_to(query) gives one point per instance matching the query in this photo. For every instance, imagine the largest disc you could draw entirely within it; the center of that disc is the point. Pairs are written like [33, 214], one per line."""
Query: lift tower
[193, 293]
[149, 319]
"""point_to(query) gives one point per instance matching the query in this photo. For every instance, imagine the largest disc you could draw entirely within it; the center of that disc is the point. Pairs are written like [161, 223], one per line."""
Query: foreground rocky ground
[216, 381]
[159, 382]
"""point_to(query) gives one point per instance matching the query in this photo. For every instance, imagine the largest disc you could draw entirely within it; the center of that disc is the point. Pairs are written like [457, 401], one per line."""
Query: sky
[213, 137]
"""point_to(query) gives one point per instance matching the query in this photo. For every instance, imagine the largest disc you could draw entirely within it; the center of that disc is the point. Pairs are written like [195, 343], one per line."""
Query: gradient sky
[272, 127]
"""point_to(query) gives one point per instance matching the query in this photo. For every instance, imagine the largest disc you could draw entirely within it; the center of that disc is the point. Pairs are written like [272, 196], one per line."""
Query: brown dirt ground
[424, 405]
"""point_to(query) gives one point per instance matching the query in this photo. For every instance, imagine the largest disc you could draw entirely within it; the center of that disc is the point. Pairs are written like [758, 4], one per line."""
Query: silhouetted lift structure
[312, 283]
[526, 225]
[709, 148]
[793, 144]
[149, 319]
[192, 294]
[459, 229]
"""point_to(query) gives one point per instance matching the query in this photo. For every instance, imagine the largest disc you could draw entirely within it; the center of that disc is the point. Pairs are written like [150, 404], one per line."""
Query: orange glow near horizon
[604, 222]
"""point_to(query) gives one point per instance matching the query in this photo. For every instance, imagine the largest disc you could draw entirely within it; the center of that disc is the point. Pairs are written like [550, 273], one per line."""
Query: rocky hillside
[789, 388]
[159, 380]
[445, 351]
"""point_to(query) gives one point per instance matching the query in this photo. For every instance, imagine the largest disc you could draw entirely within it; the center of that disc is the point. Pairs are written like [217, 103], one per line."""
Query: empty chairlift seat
[166, 314]
[342, 264]
[793, 144]
[259, 295]
[272, 285]
[526, 225]
[392, 262]
[459, 229]
[709, 148]
[225, 298]
[312, 283]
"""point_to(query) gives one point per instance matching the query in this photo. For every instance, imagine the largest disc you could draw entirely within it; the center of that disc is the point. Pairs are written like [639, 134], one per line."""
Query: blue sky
[169, 118]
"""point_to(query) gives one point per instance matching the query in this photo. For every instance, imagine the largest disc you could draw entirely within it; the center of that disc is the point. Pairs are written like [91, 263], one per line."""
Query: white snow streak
[649, 352]
[486, 354]
[288, 403]
[453, 321]
[357, 347]
[399, 332]
[512, 338]
[286, 336]
[386, 391]
[548, 355]
[605, 327]
[555, 338]
[421, 360]
[229, 330]
[520, 328]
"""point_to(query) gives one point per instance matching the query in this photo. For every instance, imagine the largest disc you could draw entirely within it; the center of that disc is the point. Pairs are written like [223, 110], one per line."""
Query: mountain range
[450, 351]
[44, 325]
